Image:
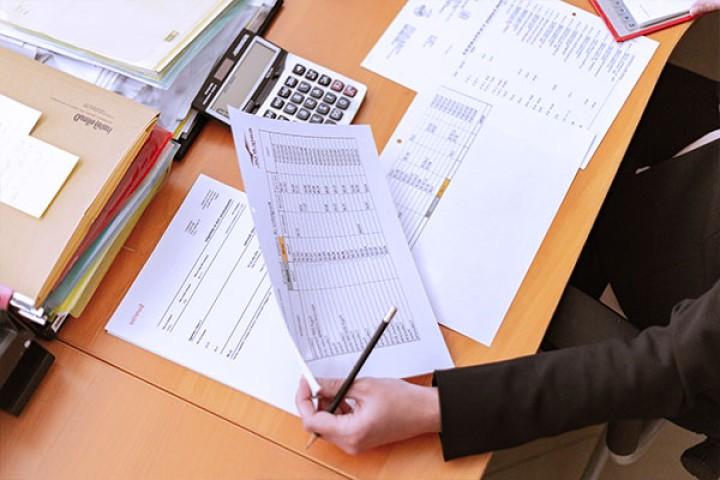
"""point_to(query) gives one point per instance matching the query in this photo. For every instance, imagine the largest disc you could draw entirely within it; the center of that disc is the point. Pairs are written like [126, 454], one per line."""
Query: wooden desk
[113, 410]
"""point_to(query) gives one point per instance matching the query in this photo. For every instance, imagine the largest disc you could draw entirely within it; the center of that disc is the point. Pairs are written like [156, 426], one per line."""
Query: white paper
[647, 12]
[174, 102]
[335, 251]
[425, 41]
[553, 60]
[16, 117]
[477, 183]
[31, 171]
[143, 35]
[204, 300]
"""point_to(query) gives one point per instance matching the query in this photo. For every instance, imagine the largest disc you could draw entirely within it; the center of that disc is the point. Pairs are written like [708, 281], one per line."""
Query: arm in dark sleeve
[656, 374]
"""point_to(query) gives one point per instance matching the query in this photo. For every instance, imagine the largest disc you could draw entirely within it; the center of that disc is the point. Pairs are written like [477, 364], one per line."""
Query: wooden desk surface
[113, 409]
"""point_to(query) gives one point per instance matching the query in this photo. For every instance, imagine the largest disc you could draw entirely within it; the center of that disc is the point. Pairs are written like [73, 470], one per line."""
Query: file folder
[104, 130]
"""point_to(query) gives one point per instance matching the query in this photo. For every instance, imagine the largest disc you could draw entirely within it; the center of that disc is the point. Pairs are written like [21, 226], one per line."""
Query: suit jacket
[660, 245]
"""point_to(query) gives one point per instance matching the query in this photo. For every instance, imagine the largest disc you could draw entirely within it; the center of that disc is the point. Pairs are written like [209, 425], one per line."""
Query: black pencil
[340, 395]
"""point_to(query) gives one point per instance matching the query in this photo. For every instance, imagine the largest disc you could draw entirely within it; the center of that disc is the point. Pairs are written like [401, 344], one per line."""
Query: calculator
[261, 78]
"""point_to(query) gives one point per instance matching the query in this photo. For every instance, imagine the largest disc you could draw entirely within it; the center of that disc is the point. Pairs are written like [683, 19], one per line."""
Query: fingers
[303, 399]
[325, 424]
[343, 408]
[306, 407]
[704, 6]
[329, 386]
[350, 426]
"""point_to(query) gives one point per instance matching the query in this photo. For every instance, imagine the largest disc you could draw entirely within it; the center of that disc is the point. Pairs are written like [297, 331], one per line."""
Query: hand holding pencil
[383, 410]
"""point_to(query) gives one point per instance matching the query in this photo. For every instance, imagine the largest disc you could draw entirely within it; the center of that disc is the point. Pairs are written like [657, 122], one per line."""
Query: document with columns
[335, 252]
[555, 61]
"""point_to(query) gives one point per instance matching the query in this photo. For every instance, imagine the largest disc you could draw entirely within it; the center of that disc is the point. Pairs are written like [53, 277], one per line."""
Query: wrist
[430, 410]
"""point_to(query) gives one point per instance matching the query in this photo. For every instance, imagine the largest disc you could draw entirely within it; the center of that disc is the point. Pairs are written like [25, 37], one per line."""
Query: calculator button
[330, 98]
[278, 103]
[350, 91]
[337, 85]
[323, 109]
[303, 114]
[269, 114]
[324, 80]
[316, 119]
[317, 92]
[310, 103]
[298, 69]
[290, 109]
[330, 122]
[304, 87]
[336, 115]
[297, 98]
[311, 75]
[283, 117]
[284, 92]
[343, 103]
[291, 82]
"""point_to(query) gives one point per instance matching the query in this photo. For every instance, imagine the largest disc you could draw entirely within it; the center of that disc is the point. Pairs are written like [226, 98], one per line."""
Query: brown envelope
[104, 129]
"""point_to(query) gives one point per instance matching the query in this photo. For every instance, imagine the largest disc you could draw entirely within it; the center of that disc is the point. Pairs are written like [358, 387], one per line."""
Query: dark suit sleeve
[657, 374]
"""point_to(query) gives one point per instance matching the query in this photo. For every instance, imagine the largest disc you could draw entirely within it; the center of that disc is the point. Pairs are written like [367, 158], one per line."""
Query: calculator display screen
[247, 73]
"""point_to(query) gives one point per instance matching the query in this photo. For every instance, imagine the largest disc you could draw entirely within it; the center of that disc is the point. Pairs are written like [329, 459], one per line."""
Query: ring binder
[44, 323]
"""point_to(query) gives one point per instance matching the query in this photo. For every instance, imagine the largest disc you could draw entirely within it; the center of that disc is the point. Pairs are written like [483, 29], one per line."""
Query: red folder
[621, 37]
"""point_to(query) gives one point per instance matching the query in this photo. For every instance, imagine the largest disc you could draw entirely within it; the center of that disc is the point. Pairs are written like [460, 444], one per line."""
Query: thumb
[323, 423]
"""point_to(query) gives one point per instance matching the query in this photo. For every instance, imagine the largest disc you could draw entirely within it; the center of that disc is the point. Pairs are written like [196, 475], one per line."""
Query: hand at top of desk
[383, 411]
[704, 6]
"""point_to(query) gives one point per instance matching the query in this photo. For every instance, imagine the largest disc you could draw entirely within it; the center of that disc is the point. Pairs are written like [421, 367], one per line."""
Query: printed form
[553, 60]
[335, 251]
[477, 184]
[204, 300]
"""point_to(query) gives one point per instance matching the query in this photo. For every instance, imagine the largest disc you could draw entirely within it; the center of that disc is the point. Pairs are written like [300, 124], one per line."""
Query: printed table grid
[330, 236]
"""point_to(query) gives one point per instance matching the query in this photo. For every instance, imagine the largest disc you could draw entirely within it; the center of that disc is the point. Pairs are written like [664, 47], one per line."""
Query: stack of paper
[171, 92]
[113, 226]
[140, 39]
[86, 145]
